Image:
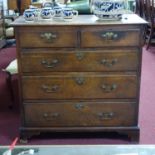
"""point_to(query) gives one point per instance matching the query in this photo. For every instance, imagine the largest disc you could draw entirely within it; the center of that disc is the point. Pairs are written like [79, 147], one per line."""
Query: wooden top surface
[81, 20]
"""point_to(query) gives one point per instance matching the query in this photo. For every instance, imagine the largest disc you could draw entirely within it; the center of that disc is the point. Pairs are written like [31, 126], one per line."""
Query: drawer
[80, 114]
[48, 37]
[82, 85]
[99, 37]
[43, 60]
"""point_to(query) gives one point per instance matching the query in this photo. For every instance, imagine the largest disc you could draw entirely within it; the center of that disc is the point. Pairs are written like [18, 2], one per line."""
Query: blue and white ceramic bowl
[47, 13]
[108, 9]
[58, 11]
[69, 14]
[29, 15]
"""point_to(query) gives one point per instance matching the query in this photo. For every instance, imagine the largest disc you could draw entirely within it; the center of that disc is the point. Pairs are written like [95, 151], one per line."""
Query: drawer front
[48, 37]
[63, 60]
[85, 86]
[99, 37]
[79, 114]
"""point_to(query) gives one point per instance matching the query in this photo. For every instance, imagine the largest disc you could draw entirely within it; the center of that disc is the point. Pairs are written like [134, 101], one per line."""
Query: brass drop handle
[50, 89]
[105, 115]
[50, 116]
[50, 64]
[108, 88]
[109, 36]
[48, 36]
[79, 80]
[108, 62]
[79, 106]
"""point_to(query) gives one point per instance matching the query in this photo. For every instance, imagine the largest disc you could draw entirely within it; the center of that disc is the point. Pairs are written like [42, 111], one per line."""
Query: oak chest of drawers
[82, 75]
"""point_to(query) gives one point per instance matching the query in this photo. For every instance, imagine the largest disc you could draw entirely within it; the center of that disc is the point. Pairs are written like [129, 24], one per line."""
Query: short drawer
[69, 60]
[99, 37]
[48, 37]
[80, 114]
[85, 86]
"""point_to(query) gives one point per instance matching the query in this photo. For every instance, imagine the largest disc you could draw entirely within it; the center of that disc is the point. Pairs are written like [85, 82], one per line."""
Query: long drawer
[99, 37]
[47, 60]
[48, 37]
[80, 114]
[82, 85]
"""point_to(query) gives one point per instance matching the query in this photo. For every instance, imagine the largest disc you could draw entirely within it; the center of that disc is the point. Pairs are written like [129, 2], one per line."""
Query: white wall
[5, 8]
[4, 4]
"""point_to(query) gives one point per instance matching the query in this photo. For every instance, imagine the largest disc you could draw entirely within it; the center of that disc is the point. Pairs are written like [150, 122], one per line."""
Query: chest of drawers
[80, 76]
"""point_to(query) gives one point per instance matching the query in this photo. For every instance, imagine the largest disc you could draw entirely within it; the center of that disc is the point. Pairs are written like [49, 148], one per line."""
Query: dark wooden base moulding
[132, 134]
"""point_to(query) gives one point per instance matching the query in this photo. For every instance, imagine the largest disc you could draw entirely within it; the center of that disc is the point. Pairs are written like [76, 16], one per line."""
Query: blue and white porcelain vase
[108, 9]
